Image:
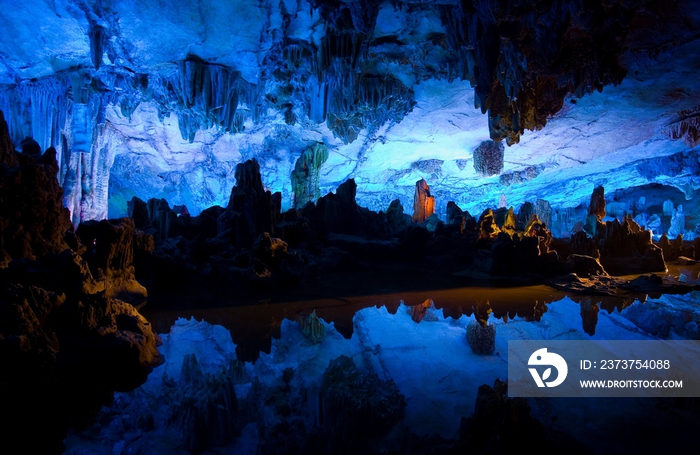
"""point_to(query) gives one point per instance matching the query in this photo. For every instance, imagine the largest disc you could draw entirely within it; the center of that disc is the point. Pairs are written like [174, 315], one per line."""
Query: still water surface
[253, 324]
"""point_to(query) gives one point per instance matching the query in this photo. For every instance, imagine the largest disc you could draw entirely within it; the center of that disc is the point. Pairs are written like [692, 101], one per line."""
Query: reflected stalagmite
[589, 315]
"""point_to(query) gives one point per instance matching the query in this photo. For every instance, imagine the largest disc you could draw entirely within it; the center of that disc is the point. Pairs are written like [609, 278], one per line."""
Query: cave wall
[152, 101]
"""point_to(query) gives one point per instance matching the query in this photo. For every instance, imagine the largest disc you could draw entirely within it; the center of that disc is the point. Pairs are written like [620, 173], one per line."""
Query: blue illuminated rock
[481, 338]
[390, 91]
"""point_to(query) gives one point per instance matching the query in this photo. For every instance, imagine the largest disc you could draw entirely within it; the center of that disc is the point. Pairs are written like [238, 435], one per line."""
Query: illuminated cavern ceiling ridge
[148, 99]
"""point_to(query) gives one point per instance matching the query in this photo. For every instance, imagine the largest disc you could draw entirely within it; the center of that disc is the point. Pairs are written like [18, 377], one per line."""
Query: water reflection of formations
[253, 327]
[590, 306]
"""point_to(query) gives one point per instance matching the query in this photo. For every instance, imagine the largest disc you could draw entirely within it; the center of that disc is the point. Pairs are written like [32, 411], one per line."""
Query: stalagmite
[306, 174]
[423, 202]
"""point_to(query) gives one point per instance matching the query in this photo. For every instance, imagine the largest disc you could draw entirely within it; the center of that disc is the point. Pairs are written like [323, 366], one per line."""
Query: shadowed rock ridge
[66, 343]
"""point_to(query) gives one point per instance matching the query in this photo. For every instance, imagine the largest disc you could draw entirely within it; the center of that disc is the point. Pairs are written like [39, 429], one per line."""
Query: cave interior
[302, 226]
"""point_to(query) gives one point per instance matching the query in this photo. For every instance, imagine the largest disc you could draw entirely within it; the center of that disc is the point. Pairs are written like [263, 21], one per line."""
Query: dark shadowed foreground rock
[356, 406]
[65, 344]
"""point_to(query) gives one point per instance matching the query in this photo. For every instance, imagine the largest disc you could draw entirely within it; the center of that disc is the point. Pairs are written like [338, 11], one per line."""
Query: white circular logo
[543, 358]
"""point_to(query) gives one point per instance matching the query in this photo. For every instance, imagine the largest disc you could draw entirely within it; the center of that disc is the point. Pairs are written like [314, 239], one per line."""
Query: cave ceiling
[153, 99]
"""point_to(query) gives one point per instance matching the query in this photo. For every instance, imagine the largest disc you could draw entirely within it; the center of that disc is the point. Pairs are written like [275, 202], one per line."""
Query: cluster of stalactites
[359, 101]
[328, 81]
[209, 95]
[37, 109]
[521, 70]
[65, 112]
[686, 127]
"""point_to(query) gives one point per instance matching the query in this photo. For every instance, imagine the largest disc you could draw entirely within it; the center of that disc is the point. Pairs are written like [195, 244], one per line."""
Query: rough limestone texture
[168, 110]
[488, 158]
[111, 255]
[66, 344]
[481, 338]
[423, 202]
[597, 205]
[305, 176]
[312, 327]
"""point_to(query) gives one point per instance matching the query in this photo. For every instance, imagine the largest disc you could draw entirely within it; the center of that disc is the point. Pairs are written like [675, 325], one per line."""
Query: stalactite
[364, 101]
[37, 109]
[98, 40]
[521, 72]
[207, 95]
[87, 161]
[346, 46]
[318, 100]
[687, 127]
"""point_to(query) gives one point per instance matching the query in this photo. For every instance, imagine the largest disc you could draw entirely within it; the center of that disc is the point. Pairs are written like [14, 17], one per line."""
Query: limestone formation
[584, 266]
[423, 312]
[510, 223]
[488, 158]
[456, 217]
[396, 219]
[525, 213]
[357, 406]
[623, 248]
[543, 210]
[339, 212]
[110, 254]
[597, 205]
[501, 424]
[519, 177]
[488, 229]
[481, 337]
[481, 334]
[672, 249]
[204, 406]
[260, 209]
[423, 202]
[138, 211]
[271, 262]
[34, 220]
[67, 345]
[686, 127]
[312, 327]
[677, 222]
[306, 173]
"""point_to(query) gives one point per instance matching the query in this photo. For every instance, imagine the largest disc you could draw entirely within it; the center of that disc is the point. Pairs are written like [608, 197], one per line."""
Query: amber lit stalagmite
[596, 210]
[423, 202]
[110, 254]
